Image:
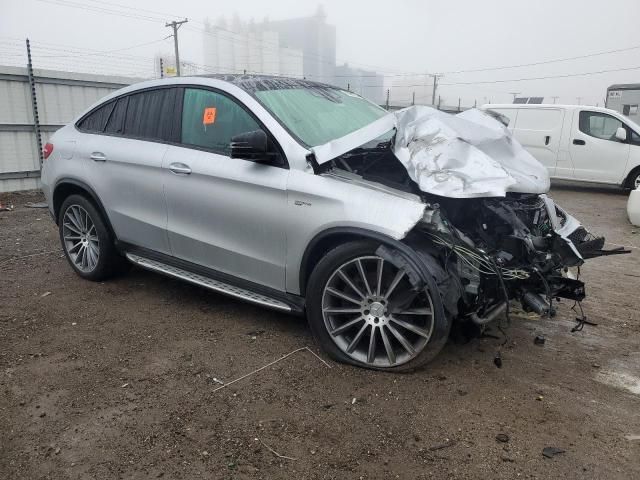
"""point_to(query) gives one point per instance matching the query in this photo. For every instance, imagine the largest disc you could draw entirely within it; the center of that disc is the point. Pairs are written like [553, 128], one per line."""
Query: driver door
[225, 214]
[597, 155]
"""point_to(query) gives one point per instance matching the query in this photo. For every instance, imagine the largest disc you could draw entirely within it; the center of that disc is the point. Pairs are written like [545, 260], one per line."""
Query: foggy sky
[392, 37]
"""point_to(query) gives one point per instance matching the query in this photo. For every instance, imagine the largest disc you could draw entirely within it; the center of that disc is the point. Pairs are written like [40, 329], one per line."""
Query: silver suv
[288, 193]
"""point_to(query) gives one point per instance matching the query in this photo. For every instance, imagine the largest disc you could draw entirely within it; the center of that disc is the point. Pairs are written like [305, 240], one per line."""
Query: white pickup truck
[577, 142]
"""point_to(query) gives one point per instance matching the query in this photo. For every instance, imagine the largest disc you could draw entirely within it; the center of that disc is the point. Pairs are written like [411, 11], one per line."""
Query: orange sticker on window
[209, 116]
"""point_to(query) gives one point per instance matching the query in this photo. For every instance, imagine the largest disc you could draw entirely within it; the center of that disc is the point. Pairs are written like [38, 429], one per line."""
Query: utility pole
[579, 99]
[555, 98]
[387, 98]
[161, 68]
[413, 98]
[435, 77]
[176, 25]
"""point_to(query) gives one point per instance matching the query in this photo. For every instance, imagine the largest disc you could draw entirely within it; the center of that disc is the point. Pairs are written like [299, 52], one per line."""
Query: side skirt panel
[216, 281]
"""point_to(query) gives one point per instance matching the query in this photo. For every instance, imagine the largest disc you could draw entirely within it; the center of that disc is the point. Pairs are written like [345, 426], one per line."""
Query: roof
[624, 86]
[257, 83]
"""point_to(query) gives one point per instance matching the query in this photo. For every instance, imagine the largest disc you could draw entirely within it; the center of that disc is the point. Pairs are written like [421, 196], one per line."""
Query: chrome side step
[207, 282]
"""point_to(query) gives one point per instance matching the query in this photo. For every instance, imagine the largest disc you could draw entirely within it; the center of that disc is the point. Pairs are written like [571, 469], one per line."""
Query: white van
[575, 142]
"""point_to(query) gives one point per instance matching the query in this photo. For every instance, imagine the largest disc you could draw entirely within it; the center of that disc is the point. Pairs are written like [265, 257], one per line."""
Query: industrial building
[299, 47]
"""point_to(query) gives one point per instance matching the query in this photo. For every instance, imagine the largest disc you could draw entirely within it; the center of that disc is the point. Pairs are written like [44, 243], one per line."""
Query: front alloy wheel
[365, 310]
[373, 314]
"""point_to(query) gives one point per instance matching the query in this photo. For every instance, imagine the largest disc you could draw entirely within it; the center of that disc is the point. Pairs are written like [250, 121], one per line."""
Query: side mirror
[621, 134]
[251, 146]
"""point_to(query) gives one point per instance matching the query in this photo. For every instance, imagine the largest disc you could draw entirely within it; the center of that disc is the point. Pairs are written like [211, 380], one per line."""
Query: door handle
[180, 169]
[578, 142]
[98, 157]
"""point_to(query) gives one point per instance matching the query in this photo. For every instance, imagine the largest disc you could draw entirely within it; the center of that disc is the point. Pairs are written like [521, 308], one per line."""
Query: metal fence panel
[61, 97]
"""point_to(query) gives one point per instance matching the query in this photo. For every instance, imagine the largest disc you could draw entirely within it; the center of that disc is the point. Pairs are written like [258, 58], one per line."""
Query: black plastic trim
[296, 302]
[92, 194]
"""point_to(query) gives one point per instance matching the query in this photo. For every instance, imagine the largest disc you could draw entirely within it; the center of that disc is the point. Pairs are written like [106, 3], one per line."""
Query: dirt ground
[118, 380]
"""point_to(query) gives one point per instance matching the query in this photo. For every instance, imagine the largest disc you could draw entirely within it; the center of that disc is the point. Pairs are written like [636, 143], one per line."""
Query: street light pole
[176, 25]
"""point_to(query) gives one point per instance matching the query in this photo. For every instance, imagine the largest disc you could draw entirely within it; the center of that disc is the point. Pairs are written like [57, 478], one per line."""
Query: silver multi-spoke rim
[80, 238]
[374, 315]
[636, 184]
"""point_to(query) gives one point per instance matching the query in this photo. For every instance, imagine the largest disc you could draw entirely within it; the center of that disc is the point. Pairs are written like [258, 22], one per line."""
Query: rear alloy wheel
[371, 314]
[86, 240]
[80, 239]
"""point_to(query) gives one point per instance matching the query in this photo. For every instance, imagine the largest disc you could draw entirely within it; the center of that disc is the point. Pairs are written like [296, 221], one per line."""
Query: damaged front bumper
[522, 247]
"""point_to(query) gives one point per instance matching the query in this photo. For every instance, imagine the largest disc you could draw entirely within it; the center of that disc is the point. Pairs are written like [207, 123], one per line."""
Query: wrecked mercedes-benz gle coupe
[385, 229]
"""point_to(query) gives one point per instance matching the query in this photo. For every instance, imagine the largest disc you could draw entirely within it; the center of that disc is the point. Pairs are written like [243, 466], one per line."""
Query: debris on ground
[497, 360]
[632, 437]
[448, 443]
[539, 340]
[551, 452]
[37, 205]
[45, 294]
[274, 452]
[6, 208]
[502, 437]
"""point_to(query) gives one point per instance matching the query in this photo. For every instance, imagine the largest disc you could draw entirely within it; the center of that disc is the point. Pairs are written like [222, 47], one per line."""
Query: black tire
[109, 261]
[322, 274]
[633, 177]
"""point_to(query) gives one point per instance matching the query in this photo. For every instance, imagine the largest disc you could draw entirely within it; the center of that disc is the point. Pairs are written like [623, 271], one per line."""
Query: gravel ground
[118, 380]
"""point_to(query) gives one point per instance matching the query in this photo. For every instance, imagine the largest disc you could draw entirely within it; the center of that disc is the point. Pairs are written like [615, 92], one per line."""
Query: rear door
[224, 213]
[125, 166]
[539, 131]
[597, 155]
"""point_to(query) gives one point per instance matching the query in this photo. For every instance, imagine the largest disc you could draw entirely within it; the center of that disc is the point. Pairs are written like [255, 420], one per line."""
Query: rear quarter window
[96, 120]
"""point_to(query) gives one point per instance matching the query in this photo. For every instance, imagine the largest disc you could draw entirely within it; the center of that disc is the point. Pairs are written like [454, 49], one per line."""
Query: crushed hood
[467, 155]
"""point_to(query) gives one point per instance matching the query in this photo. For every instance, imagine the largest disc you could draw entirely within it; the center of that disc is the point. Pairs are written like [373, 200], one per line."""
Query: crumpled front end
[521, 247]
[494, 233]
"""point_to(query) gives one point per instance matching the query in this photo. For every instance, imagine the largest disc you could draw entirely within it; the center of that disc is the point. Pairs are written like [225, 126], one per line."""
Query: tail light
[47, 150]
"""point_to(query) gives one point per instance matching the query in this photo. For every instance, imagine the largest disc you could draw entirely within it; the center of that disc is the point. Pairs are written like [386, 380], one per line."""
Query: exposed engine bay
[489, 250]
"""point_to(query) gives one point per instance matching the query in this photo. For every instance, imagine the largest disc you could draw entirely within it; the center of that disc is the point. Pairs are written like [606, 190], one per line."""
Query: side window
[599, 125]
[634, 139]
[115, 124]
[95, 121]
[210, 119]
[149, 114]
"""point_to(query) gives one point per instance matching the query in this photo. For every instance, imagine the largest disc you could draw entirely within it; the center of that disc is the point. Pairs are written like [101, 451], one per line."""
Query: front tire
[363, 310]
[86, 240]
[633, 180]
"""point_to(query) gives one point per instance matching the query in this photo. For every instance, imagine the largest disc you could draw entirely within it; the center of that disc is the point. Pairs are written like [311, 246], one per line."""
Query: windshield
[317, 115]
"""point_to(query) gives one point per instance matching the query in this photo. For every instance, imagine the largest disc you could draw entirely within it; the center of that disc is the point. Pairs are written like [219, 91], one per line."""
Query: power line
[584, 74]
[545, 62]
[107, 52]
